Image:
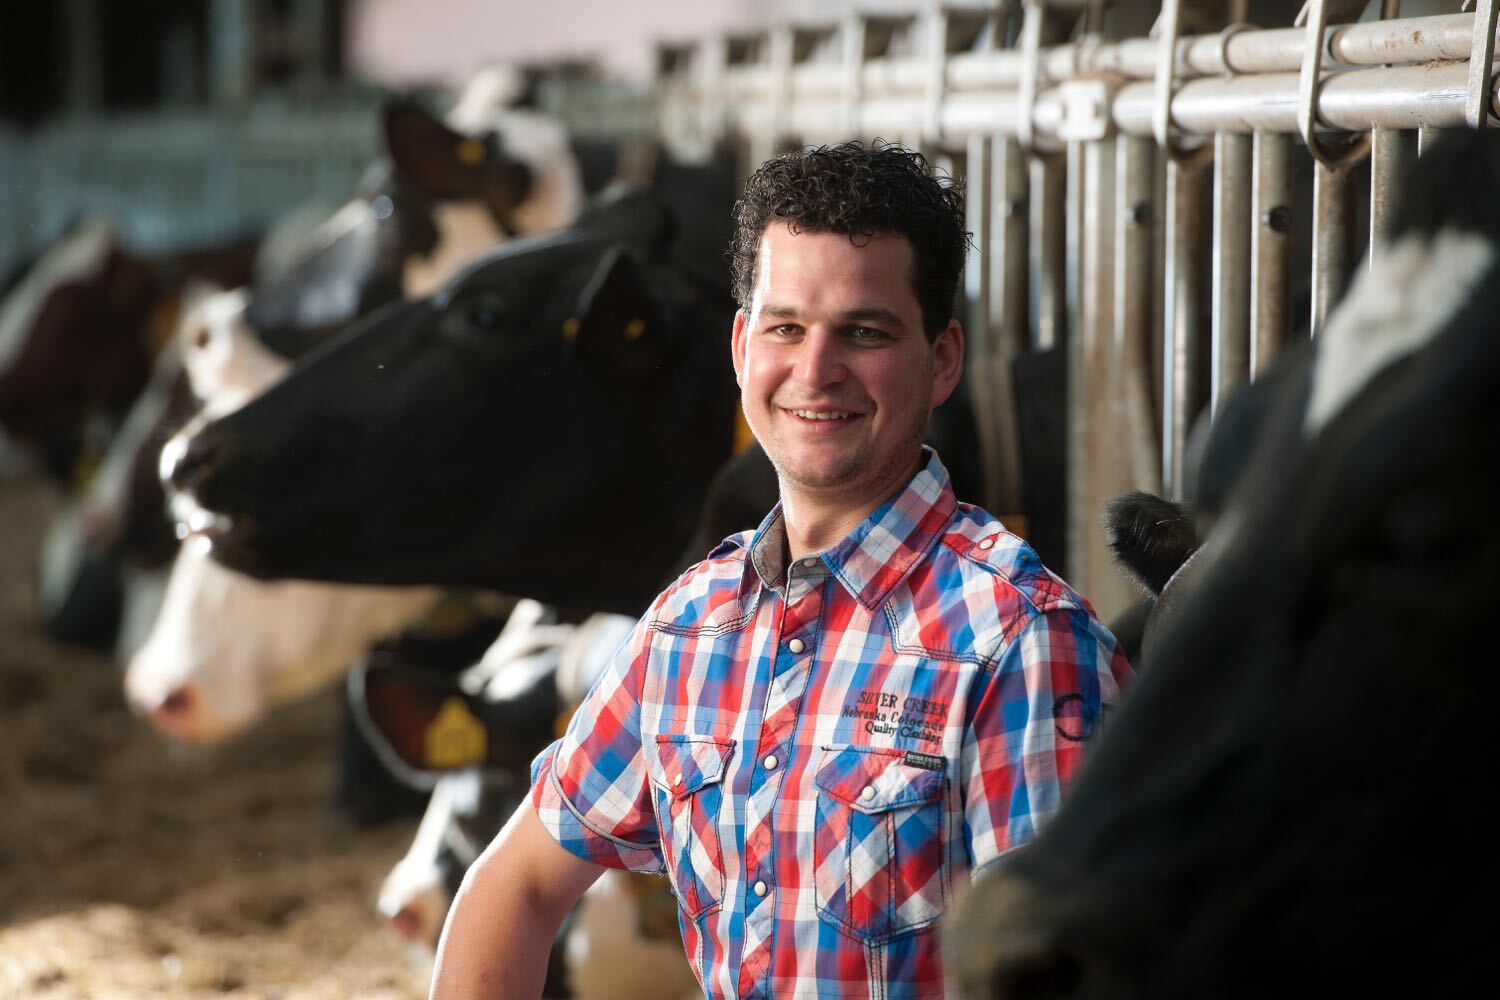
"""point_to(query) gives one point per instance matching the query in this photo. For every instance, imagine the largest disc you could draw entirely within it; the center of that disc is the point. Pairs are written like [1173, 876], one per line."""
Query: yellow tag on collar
[454, 738]
[570, 328]
[634, 329]
[471, 152]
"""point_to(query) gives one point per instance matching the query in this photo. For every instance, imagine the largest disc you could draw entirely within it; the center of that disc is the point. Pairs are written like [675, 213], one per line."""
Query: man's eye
[866, 333]
[784, 330]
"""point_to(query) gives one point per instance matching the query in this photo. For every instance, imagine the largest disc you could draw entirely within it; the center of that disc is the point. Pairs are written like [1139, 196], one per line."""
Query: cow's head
[560, 400]
[440, 198]
[74, 340]
[1287, 802]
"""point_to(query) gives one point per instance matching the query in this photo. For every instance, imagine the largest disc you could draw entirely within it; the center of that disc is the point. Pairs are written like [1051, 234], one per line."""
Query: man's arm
[500, 929]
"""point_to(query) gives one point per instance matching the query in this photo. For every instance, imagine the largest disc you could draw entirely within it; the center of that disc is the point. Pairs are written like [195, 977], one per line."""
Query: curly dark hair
[860, 191]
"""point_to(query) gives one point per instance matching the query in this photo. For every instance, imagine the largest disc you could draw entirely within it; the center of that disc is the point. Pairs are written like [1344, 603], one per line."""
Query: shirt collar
[881, 550]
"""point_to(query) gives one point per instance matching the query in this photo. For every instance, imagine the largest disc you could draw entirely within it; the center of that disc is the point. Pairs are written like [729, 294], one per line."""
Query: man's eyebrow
[859, 314]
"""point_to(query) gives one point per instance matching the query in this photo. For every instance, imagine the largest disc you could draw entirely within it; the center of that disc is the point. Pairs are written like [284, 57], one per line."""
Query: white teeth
[822, 414]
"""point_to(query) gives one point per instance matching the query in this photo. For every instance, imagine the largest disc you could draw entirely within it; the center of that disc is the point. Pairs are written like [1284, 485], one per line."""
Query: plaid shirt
[814, 754]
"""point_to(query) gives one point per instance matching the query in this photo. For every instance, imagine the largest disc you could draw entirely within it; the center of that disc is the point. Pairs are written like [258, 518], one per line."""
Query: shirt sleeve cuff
[575, 833]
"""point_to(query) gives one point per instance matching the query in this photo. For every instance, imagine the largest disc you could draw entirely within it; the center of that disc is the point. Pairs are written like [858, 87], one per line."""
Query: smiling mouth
[822, 415]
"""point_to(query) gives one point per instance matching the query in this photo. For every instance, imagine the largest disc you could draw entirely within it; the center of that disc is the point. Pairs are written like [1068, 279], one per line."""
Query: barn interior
[1164, 197]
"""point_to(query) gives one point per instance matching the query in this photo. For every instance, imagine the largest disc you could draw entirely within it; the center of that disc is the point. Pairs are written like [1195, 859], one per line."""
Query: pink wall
[444, 41]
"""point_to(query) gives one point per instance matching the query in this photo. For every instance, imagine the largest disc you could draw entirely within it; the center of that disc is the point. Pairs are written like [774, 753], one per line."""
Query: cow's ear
[419, 722]
[617, 320]
[444, 163]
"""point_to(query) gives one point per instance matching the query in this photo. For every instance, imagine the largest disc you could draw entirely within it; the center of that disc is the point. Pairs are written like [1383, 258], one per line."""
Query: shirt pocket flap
[687, 763]
[874, 780]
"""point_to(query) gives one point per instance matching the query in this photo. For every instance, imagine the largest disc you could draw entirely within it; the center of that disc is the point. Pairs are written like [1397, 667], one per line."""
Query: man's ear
[737, 346]
[444, 163]
[617, 319]
[947, 361]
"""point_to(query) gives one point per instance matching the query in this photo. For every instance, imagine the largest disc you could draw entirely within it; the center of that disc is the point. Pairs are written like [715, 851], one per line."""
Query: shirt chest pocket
[689, 780]
[880, 845]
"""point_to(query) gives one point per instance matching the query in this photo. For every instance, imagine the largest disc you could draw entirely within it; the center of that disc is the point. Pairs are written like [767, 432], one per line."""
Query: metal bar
[1330, 252]
[1356, 100]
[1441, 38]
[1271, 212]
[1048, 222]
[1182, 335]
[1135, 313]
[1073, 209]
[1426, 136]
[1230, 352]
[1097, 468]
[978, 202]
[1008, 247]
[1391, 154]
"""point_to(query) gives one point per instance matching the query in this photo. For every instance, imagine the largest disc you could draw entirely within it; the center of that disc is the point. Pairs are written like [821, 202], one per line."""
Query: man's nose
[821, 361]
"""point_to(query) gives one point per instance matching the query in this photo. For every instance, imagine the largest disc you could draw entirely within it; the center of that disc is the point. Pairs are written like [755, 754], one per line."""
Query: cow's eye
[486, 312]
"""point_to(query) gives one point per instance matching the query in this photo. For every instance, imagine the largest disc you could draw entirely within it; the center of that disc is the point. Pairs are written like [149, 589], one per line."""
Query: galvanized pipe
[1405, 97]
[1392, 152]
[1331, 238]
[1048, 246]
[1135, 314]
[1182, 335]
[1440, 38]
[1271, 216]
[1008, 247]
[1229, 364]
[1098, 466]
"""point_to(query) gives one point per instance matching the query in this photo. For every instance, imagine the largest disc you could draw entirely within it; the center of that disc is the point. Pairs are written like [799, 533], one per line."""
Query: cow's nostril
[177, 705]
[408, 923]
[1049, 975]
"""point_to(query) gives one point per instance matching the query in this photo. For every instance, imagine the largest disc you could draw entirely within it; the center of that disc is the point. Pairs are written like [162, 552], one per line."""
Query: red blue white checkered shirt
[815, 754]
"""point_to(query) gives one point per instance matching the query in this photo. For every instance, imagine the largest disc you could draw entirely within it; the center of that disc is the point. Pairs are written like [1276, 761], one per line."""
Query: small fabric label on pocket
[926, 761]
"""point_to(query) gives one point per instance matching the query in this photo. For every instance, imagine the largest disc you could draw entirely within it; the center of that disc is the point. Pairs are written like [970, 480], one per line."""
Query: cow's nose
[174, 713]
[193, 463]
[408, 923]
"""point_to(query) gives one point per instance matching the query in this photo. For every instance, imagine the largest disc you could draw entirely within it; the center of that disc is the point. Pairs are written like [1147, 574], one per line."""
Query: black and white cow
[545, 425]
[1292, 801]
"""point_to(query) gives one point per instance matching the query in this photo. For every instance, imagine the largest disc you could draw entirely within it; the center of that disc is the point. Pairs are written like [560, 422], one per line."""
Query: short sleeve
[590, 788]
[1031, 725]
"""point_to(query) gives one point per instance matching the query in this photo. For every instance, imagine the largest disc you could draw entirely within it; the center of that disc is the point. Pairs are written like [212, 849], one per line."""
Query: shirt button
[761, 888]
[988, 543]
[796, 645]
[809, 563]
[771, 762]
[868, 793]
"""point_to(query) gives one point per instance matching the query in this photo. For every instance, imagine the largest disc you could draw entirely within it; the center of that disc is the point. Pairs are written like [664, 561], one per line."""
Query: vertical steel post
[1391, 154]
[1230, 354]
[1048, 222]
[1008, 247]
[1096, 461]
[1271, 214]
[1135, 314]
[1330, 256]
[1181, 342]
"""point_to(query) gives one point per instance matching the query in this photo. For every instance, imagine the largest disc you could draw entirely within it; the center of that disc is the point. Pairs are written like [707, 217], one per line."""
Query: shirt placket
[796, 644]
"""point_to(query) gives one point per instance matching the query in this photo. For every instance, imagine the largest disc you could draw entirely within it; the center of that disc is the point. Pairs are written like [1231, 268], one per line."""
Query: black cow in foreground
[546, 425]
[1292, 801]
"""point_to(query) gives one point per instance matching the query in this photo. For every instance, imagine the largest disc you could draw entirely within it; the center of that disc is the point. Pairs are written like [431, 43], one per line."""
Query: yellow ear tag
[471, 152]
[634, 329]
[454, 738]
[570, 328]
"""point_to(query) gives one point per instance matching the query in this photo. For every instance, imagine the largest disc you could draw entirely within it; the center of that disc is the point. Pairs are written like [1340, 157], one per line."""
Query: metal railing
[1136, 202]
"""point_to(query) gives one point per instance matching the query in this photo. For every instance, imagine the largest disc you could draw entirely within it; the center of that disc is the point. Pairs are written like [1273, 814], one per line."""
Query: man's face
[837, 378]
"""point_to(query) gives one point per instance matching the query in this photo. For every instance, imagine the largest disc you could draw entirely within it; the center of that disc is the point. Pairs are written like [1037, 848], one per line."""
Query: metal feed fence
[1140, 204]
[173, 180]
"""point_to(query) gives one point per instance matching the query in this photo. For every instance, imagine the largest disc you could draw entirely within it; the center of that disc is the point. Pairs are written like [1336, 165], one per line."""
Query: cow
[563, 402]
[226, 648]
[471, 741]
[1290, 801]
[79, 329]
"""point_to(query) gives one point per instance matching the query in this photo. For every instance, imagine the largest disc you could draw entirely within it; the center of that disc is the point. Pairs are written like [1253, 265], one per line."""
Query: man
[819, 732]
